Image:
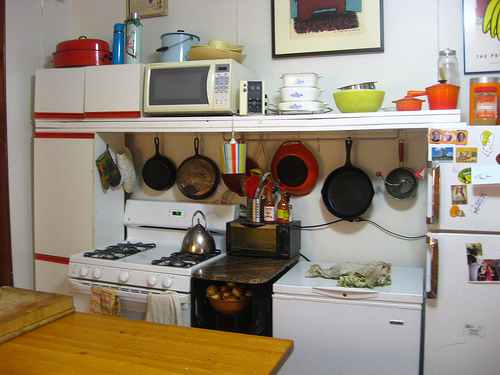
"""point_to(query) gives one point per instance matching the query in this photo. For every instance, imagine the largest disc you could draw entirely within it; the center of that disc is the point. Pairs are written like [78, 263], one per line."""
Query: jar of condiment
[269, 207]
[448, 67]
[283, 208]
[485, 105]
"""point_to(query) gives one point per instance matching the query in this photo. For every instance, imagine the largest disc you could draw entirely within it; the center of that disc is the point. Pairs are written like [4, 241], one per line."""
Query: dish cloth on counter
[104, 301]
[355, 274]
[164, 308]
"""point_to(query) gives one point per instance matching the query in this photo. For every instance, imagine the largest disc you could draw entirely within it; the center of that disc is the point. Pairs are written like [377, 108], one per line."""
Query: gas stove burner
[119, 251]
[184, 260]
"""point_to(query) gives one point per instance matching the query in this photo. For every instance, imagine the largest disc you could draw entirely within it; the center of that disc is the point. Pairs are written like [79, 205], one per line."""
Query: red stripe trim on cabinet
[48, 115]
[134, 114]
[52, 258]
[65, 135]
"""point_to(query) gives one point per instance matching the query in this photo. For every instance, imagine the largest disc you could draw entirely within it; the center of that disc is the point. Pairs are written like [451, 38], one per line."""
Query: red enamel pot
[81, 52]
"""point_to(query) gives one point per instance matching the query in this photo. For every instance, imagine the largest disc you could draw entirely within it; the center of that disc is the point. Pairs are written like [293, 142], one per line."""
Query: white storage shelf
[337, 122]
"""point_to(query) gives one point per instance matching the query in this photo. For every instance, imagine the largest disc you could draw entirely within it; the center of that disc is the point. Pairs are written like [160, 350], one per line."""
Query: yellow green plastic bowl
[351, 101]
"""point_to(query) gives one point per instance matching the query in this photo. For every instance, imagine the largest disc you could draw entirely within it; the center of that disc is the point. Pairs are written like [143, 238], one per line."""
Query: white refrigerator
[462, 308]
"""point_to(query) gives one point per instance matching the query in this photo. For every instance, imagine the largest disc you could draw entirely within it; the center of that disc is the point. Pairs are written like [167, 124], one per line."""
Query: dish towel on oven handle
[104, 301]
[164, 308]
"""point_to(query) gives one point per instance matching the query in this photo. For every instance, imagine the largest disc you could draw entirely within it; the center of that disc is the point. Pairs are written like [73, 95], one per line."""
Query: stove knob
[97, 273]
[152, 280]
[124, 276]
[167, 282]
[84, 271]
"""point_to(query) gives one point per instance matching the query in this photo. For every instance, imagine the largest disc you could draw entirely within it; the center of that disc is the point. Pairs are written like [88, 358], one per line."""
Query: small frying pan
[401, 183]
[347, 191]
[197, 176]
[158, 172]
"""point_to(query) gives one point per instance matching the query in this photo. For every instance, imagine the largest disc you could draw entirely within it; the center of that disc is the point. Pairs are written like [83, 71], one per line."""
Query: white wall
[414, 32]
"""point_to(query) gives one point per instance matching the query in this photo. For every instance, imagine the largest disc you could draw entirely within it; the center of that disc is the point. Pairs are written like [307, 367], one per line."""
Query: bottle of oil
[283, 208]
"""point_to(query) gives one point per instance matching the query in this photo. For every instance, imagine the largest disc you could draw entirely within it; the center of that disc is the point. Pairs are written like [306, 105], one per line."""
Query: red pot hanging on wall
[81, 52]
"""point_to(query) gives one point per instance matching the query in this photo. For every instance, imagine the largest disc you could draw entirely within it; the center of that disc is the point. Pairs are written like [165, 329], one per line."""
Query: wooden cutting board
[22, 310]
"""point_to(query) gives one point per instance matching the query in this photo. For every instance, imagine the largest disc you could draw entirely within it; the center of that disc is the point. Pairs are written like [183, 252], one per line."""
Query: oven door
[133, 300]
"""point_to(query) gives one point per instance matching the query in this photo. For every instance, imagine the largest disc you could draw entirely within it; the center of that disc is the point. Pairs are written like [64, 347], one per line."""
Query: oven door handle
[126, 292]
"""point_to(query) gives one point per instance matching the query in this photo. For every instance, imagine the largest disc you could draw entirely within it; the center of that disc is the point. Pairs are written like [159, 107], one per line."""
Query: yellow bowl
[351, 101]
[230, 306]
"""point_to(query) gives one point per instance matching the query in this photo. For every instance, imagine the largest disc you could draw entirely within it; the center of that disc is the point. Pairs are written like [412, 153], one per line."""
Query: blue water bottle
[118, 43]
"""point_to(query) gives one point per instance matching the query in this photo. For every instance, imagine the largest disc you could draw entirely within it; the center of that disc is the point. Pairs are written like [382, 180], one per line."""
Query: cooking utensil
[441, 96]
[198, 176]
[360, 86]
[175, 46]
[408, 103]
[300, 79]
[232, 181]
[81, 52]
[295, 167]
[401, 183]
[198, 240]
[352, 101]
[159, 172]
[347, 191]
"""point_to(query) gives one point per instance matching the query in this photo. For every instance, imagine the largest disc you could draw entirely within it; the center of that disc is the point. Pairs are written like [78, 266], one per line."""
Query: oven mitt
[355, 274]
[108, 171]
[126, 167]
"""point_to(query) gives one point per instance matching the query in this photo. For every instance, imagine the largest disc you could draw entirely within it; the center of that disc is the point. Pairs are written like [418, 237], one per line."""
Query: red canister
[81, 52]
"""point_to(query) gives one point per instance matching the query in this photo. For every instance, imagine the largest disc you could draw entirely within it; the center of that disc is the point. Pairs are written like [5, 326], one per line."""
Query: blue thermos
[118, 43]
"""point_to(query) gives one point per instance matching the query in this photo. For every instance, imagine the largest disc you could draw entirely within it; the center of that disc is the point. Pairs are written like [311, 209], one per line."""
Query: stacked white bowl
[300, 93]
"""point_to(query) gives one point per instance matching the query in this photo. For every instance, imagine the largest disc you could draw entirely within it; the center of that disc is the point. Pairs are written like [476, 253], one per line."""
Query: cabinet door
[63, 193]
[59, 93]
[113, 90]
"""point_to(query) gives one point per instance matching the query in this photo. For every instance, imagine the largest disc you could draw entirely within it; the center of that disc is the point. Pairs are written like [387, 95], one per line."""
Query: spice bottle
[485, 105]
[448, 66]
[118, 43]
[283, 208]
[269, 207]
[133, 40]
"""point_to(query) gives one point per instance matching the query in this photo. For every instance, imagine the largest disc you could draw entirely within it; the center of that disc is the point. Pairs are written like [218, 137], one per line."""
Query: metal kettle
[198, 239]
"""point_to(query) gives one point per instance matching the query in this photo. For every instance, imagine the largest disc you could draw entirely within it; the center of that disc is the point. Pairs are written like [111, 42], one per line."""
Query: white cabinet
[113, 91]
[72, 212]
[59, 93]
[105, 91]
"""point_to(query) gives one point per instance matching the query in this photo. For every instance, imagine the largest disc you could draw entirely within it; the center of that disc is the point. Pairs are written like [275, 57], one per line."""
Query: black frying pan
[348, 191]
[197, 176]
[158, 172]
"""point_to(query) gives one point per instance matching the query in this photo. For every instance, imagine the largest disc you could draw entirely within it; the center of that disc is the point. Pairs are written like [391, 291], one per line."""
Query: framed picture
[323, 27]
[147, 8]
[481, 36]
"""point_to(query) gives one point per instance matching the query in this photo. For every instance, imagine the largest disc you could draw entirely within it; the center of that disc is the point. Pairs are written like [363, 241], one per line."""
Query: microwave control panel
[222, 84]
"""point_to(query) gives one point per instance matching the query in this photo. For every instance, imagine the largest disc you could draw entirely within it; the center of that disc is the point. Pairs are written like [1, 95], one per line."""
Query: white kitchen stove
[157, 264]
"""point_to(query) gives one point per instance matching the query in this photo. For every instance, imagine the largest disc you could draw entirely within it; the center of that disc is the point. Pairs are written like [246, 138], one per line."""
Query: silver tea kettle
[198, 239]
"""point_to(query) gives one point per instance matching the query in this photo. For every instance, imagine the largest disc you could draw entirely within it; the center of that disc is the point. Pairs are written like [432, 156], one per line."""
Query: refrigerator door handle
[436, 192]
[345, 294]
[432, 269]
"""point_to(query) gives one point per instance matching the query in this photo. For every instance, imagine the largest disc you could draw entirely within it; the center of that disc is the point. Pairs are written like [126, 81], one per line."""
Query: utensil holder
[255, 210]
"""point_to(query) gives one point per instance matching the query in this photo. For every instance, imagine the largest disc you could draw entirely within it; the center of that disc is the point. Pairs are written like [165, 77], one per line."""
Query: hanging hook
[317, 142]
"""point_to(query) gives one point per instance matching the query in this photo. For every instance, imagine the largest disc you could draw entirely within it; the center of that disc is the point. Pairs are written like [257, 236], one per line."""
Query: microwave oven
[263, 240]
[194, 87]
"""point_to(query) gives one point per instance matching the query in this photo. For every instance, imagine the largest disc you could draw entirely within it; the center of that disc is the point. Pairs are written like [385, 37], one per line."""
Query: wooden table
[91, 344]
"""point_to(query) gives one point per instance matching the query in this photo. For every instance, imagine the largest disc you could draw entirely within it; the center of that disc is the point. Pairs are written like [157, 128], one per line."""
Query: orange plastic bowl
[230, 306]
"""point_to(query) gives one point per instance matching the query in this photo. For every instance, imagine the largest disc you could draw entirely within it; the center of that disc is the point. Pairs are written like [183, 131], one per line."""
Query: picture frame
[481, 43]
[147, 8]
[306, 27]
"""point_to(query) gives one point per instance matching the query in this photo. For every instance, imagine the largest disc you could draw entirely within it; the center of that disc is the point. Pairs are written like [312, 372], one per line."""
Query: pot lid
[181, 32]
[408, 98]
[82, 43]
[442, 83]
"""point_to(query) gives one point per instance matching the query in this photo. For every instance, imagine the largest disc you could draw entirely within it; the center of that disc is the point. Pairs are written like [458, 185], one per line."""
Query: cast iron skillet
[158, 172]
[348, 191]
[197, 176]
